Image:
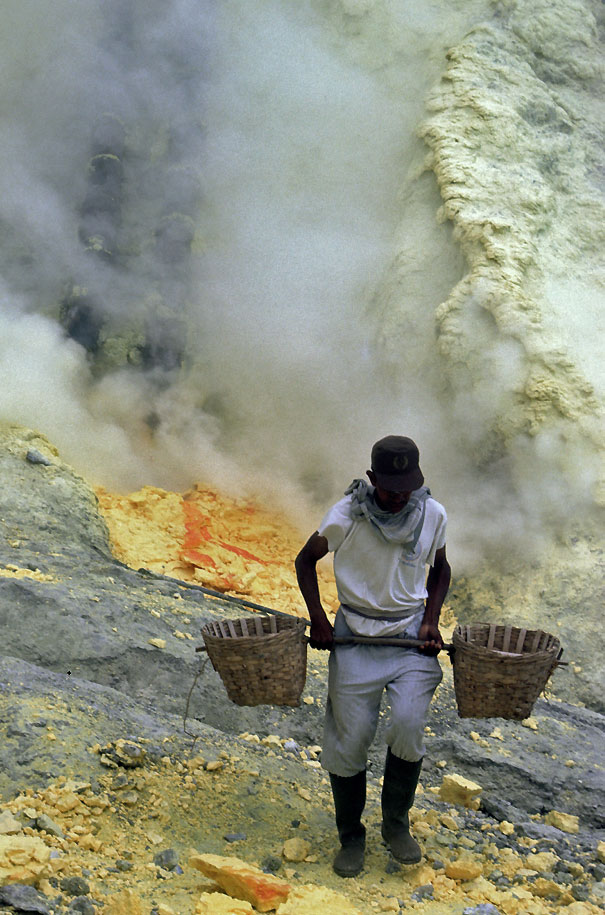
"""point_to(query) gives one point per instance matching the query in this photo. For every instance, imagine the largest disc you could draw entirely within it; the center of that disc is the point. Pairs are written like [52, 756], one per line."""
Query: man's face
[387, 499]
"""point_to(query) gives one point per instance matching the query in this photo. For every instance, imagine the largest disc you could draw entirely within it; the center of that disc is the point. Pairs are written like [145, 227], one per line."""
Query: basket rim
[288, 625]
[461, 642]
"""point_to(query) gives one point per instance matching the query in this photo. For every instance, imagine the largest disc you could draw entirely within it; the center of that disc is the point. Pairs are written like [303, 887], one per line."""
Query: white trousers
[358, 676]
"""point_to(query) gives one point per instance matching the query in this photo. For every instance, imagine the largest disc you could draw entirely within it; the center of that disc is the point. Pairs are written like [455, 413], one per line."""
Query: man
[383, 537]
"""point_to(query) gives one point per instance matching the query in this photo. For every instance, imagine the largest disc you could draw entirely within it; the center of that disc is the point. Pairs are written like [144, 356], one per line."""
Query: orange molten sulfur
[232, 546]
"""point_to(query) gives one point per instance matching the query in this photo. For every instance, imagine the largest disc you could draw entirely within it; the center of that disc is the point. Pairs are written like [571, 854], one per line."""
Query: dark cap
[395, 463]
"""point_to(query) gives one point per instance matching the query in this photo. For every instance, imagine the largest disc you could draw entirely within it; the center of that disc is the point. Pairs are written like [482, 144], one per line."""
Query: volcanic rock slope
[94, 652]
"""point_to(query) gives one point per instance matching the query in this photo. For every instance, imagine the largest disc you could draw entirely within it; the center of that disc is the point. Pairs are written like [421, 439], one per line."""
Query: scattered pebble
[235, 837]
[75, 886]
[295, 850]
[157, 643]
[36, 457]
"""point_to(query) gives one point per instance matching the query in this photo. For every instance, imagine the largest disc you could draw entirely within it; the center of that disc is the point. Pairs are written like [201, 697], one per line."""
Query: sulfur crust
[508, 145]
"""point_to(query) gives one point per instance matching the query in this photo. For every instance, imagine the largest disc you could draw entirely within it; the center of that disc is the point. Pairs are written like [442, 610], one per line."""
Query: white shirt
[376, 576]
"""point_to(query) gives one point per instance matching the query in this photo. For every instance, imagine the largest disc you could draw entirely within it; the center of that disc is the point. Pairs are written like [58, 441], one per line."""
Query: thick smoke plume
[223, 254]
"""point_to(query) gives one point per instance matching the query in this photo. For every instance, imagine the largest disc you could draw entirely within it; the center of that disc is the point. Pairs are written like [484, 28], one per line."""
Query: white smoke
[299, 118]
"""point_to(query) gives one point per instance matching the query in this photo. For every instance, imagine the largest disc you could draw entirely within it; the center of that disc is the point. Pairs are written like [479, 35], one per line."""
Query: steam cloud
[274, 141]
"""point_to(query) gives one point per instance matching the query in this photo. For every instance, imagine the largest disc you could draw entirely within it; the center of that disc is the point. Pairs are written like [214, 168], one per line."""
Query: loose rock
[75, 886]
[296, 849]
[243, 881]
[23, 899]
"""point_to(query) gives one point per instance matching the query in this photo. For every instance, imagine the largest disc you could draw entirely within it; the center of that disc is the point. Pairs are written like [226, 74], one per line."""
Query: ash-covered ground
[115, 760]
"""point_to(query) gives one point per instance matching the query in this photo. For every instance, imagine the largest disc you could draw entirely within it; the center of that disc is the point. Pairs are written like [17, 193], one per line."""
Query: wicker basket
[261, 660]
[499, 671]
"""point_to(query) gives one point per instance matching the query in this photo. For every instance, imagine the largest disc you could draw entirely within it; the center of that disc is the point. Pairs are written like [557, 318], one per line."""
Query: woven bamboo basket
[261, 660]
[499, 671]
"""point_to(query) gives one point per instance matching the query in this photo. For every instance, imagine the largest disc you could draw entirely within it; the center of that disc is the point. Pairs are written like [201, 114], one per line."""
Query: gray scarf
[403, 527]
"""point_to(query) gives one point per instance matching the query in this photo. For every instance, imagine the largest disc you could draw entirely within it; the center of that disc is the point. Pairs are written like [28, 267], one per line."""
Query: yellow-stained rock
[89, 843]
[506, 828]
[542, 861]
[219, 904]
[312, 900]
[272, 740]
[566, 822]
[243, 881]
[67, 801]
[455, 789]
[443, 886]
[464, 869]
[23, 859]
[509, 862]
[601, 852]
[544, 888]
[125, 903]
[295, 849]
[521, 902]
[423, 830]
[482, 890]
[581, 908]
[420, 875]
[430, 817]
[9, 825]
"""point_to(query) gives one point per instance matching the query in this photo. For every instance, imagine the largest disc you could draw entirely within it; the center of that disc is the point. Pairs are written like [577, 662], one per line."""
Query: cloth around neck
[403, 527]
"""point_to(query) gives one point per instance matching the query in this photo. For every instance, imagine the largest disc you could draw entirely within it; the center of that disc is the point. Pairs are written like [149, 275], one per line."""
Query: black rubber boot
[349, 800]
[398, 790]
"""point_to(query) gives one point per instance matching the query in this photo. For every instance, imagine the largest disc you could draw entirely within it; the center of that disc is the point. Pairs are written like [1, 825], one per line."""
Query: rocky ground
[117, 764]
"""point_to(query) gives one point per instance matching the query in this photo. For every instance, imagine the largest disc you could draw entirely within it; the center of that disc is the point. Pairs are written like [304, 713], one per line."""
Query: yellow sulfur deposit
[9, 825]
[233, 546]
[12, 571]
[312, 900]
[219, 904]
[124, 903]
[23, 859]
[455, 789]
[580, 908]
[566, 822]
[547, 889]
[296, 849]
[464, 869]
[542, 861]
[509, 862]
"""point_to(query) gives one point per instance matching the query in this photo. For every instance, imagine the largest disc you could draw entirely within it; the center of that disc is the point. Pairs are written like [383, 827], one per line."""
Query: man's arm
[437, 585]
[314, 549]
